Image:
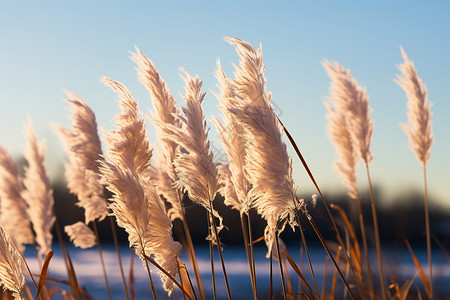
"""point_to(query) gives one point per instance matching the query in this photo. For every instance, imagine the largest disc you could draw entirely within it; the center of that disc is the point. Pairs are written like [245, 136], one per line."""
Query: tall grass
[148, 192]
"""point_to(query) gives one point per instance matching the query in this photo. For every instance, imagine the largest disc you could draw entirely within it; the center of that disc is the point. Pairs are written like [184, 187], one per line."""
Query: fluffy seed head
[37, 193]
[11, 263]
[419, 110]
[13, 210]
[81, 235]
[351, 99]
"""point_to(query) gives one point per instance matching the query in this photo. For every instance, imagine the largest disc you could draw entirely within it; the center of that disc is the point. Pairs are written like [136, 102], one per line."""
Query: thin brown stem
[101, 258]
[249, 258]
[181, 278]
[281, 266]
[193, 259]
[271, 279]
[211, 255]
[427, 228]
[65, 253]
[365, 248]
[314, 226]
[307, 255]
[377, 235]
[147, 267]
[252, 252]
[219, 248]
[155, 263]
[338, 235]
[119, 259]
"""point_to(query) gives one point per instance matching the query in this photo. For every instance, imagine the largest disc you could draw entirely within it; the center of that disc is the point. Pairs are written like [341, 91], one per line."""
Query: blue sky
[53, 45]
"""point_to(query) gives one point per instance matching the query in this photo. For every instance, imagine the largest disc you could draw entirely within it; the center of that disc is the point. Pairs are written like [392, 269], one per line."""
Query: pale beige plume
[194, 165]
[38, 193]
[11, 264]
[268, 166]
[81, 235]
[342, 140]
[135, 203]
[165, 112]
[83, 149]
[351, 99]
[419, 110]
[13, 210]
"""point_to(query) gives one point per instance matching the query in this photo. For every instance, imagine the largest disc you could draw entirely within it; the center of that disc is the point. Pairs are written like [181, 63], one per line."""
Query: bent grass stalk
[338, 235]
[377, 235]
[101, 258]
[281, 266]
[305, 245]
[219, 248]
[427, 228]
[119, 259]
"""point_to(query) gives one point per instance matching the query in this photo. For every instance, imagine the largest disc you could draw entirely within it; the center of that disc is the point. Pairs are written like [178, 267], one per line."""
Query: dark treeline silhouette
[402, 219]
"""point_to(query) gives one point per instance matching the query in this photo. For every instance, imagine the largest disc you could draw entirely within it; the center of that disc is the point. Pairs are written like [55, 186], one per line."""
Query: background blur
[53, 45]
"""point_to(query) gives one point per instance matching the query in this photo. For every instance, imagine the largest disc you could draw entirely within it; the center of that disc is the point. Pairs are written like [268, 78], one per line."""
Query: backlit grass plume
[135, 203]
[350, 98]
[236, 186]
[11, 263]
[197, 173]
[81, 235]
[342, 140]
[165, 112]
[268, 166]
[13, 210]
[83, 149]
[38, 193]
[419, 110]
[419, 133]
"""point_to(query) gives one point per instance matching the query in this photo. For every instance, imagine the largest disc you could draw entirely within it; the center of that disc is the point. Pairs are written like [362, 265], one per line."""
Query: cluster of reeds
[148, 188]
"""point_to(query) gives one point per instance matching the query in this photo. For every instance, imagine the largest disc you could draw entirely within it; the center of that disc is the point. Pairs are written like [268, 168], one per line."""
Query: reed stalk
[308, 171]
[211, 255]
[281, 266]
[365, 248]
[252, 252]
[219, 248]
[377, 235]
[271, 279]
[193, 257]
[319, 235]
[101, 259]
[119, 259]
[427, 228]
[305, 245]
[249, 256]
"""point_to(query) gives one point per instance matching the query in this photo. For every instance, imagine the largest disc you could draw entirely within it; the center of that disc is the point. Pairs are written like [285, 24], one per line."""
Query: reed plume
[268, 166]
[165, 112]
[135, 203]
[194, 166]
[81, 235]
[419, 110]
[352, 99]
[13, 211]
[419, 133]
[236, 186]
[83, 148]
[348, 159]
[37, 193]
[11, 263]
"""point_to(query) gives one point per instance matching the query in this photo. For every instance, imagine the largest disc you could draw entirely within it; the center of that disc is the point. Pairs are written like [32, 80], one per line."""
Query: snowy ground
[90, 275]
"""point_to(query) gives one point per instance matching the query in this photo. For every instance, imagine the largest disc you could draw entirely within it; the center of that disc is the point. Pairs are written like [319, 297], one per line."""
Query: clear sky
[48, 46]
